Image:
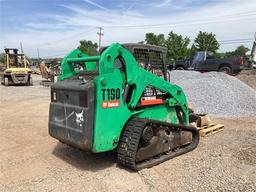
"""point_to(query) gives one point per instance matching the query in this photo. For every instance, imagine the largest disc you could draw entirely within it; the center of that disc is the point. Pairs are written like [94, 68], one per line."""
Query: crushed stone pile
[216, 94]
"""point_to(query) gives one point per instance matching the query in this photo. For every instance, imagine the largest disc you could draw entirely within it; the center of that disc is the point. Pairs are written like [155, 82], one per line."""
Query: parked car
[205, 61]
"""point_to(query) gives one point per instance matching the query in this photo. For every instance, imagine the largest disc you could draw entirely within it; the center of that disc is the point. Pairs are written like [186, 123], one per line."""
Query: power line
[245, 39]
[187, 22]
[182, 24]
[236, 42]
[222, 42]
[159, 25]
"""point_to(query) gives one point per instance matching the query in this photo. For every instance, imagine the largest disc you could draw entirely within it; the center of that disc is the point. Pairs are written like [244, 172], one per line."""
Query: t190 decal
[111, 98]
[109, 94]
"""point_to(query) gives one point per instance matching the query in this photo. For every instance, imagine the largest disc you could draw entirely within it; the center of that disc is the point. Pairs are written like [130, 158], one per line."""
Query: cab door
[210, 63]
[198, 61]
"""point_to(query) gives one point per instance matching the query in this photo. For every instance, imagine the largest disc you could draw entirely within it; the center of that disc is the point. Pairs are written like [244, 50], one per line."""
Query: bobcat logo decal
[79, 119]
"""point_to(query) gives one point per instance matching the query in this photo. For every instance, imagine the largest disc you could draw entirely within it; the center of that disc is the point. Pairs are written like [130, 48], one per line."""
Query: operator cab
[150, 57]
[14, 59]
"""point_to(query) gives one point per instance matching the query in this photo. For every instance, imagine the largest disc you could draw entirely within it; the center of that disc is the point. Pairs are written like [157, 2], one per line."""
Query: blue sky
[56, 26]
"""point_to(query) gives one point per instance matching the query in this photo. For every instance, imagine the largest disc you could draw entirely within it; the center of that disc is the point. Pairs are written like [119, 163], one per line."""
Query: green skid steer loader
[121, 100]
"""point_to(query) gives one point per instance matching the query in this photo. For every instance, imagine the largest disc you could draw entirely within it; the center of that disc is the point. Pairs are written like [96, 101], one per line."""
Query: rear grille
[71, 116]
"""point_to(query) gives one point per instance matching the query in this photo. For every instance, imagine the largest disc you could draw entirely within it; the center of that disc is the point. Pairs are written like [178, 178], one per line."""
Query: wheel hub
[147, 133]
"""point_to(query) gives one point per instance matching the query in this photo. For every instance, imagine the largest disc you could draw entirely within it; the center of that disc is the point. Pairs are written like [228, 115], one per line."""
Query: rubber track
[129, 142]
[130, 139]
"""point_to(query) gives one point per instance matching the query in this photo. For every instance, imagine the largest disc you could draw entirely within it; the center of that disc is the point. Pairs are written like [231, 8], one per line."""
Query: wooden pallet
[210, 129]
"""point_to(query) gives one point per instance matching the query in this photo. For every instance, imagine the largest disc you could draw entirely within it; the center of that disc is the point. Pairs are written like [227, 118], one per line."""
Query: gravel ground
[17, 93]
[217, 94]
[30, 160]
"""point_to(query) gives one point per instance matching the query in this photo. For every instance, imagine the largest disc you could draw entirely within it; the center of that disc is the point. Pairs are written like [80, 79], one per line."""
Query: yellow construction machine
[16, 69]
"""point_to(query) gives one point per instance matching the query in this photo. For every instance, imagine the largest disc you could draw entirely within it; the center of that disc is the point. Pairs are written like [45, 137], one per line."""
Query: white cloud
[164, 3]
[228, 20]
[95, 4]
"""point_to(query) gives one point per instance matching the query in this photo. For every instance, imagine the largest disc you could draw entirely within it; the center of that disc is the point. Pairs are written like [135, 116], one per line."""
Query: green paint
[109, 122]
[67, 64]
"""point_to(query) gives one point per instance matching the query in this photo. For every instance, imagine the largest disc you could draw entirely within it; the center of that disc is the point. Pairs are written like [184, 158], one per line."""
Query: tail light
[241, 61]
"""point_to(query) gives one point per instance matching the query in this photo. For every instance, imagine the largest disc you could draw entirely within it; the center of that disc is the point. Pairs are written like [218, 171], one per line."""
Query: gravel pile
[216, 93]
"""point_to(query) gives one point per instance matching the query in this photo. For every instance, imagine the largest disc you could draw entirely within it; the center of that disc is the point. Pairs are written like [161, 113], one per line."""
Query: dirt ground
[248, 77]
[30, 160]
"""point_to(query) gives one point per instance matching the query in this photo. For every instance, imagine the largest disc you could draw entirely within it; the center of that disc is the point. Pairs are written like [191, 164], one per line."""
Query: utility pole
[21, 47]
[100, 34]
[253, 51]
[38, 56]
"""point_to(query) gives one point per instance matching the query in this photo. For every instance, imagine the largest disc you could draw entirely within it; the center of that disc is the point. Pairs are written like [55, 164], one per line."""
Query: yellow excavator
[16, 70]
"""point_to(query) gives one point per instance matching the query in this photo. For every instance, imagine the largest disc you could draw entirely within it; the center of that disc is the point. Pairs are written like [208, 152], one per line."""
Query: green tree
[88, 47]
[206, 42]
[239, 51]
[154, 39]
[192, 51]
[177, 46]
[219, 55]
[230, 54]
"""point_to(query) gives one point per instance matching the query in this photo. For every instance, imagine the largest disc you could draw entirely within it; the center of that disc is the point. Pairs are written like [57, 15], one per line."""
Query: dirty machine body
[121, 100]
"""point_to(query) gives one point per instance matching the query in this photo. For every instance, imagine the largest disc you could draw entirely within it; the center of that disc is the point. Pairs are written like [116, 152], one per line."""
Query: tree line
[179, 47]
